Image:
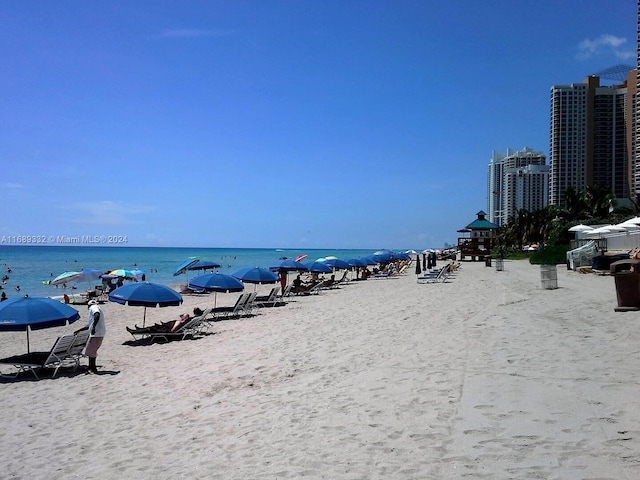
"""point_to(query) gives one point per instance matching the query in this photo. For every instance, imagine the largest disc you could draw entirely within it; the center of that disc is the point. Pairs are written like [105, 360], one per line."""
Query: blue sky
[285, 124]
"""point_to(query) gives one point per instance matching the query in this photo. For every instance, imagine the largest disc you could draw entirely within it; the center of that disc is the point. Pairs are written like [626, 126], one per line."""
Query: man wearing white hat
[97, 330]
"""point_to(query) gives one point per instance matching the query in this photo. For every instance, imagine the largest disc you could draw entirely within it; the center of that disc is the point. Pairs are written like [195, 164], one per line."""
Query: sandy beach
[484, 376]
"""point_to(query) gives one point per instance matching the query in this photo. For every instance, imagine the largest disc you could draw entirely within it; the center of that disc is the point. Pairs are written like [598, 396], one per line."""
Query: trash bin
[487, 261]
[549, 277]
[627, 277]
[499, 264]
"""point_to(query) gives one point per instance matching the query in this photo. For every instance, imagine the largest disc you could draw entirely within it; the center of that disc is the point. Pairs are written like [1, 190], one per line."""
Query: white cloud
[605, 45]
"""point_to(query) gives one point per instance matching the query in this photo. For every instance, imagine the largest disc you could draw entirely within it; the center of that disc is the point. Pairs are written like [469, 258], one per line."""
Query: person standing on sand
[97, 330]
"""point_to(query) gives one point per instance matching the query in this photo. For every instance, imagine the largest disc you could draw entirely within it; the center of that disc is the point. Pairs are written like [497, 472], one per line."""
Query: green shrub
[550, 255]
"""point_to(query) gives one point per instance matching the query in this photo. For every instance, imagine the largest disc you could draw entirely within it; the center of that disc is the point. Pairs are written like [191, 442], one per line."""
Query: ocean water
[32, 266]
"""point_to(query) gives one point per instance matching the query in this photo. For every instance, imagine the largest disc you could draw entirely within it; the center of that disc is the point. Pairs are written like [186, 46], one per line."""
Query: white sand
[485, 376]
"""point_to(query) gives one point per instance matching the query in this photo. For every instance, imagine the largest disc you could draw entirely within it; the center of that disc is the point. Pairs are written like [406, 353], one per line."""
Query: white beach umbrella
[580, 228]
[597, 231]
[628, 226]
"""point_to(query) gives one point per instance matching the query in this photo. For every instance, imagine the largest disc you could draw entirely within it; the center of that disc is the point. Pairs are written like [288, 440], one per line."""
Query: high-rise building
[517, 180]
[589, 141]
[634, 135]
[568, 149]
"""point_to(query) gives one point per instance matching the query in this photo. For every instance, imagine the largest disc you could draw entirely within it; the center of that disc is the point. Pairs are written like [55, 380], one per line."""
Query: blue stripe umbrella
[34, 313]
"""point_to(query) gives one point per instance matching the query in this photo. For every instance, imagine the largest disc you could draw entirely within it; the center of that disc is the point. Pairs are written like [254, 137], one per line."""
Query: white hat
[92, 302]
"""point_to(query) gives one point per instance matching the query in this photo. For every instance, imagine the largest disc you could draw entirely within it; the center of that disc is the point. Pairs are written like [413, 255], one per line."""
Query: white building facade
[517, 180]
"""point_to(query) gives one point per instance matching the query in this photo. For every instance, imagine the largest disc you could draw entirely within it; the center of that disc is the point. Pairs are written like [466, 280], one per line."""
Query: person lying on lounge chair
[300, 287]
[165, 327]
[330, 282]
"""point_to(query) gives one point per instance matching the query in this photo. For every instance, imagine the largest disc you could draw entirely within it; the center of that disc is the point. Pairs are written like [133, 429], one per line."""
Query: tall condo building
[517, 180]
[634, 136]
[589, 138]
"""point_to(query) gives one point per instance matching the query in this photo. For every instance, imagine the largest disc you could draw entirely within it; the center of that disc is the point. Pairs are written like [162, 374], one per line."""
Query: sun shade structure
[256, 275]
[34, 313]
[204, 265]
[580, 228]
[336, 263]
[146, 294]
[184, 266]
[319, 267]
[216, 282]
[288, 266]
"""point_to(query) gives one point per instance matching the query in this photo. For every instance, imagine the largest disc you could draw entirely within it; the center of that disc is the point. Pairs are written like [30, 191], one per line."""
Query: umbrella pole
[28, 351]
[144, 317]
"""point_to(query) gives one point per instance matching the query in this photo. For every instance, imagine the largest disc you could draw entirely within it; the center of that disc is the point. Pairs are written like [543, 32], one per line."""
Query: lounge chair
[385, 275]
[344, 279]
[76, 350]
[249, 305]
[436, 277]
[271, 300]
[190, 328]
[33, 361]
[268, 298]
[220, 313]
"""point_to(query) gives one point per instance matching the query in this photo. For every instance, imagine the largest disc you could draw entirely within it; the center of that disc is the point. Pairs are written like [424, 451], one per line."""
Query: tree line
[550, 226]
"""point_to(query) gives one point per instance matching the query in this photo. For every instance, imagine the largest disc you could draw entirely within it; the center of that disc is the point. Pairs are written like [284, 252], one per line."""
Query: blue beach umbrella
[256, 275]
[336, 263]
[34, 313]
[369, 260]
[319, 267]
[89, 275]
[357, 262]
[383, 256]
[216, 282]
[283, 267]
[204, 265]
[184, 266]
[288, 265]
[145, 294]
